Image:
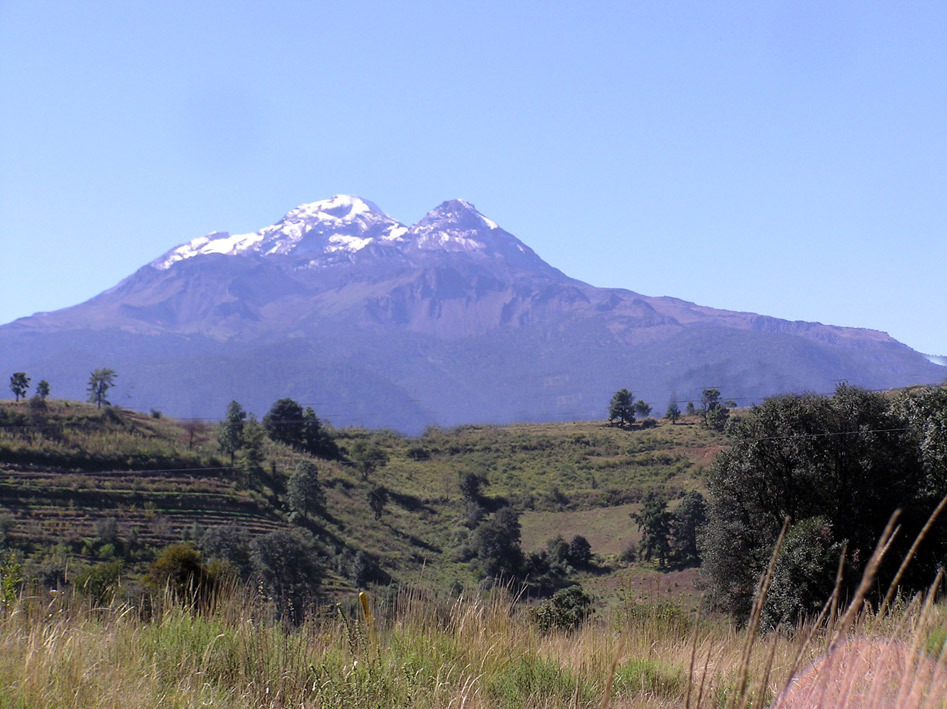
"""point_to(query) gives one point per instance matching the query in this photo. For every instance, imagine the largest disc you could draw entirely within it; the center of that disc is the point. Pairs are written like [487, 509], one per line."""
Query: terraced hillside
[67, 466]
[48, 506]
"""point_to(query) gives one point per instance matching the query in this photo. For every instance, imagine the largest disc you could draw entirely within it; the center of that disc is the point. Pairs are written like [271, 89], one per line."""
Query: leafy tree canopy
[288, 569]
[42, 389]
[100, 381]
[497, 544]
[19, 384]
[848, 460]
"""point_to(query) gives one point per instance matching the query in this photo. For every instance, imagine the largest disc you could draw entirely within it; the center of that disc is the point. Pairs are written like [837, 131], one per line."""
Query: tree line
[713, 414]
[100, 381]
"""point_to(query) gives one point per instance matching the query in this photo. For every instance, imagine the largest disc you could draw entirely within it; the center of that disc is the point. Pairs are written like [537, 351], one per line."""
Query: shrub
[11, 577]
[179, 570]
[580, 552]
[106, 530]
[418, 453]
[98, 582]
[288, 570]
[531, 681]
[365, 570]
[377, 499]
[558, 549]
[6, 523]
[566, 610]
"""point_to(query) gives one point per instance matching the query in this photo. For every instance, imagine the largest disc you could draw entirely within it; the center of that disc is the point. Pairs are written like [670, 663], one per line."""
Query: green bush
[566, 610]
[179, 570]
[804, 573]
[288, 570]
[99, 582]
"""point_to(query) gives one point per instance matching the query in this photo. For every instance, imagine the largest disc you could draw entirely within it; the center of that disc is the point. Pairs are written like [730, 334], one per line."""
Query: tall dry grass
[422, 649]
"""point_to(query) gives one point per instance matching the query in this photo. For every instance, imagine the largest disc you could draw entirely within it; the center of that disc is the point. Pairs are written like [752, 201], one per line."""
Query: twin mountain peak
[335, 229]
[452, 320]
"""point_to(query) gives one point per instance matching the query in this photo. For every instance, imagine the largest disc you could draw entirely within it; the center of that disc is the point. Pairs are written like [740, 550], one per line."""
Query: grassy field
[425, 649]
[84, 488]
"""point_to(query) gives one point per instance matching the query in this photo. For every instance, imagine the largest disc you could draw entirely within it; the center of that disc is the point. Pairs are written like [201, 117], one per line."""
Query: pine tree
[230, 435]
[621, 408]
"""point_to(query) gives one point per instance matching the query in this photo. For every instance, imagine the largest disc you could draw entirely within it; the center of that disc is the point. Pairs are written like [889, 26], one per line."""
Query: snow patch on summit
[453, 226]
[340, 242]
[218, 242]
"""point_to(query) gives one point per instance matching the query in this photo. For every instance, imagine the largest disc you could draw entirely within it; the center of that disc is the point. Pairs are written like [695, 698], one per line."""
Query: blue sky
[784, 158]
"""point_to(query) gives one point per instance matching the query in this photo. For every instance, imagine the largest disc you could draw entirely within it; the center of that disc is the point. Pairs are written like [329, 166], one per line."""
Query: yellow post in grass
[363, 599]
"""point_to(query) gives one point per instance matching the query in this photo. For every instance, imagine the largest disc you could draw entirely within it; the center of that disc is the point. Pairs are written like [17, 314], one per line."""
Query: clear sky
[785, 158]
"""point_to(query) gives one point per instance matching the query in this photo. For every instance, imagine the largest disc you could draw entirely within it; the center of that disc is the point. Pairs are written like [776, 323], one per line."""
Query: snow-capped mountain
[340, 224]
[450, 320]
[332, 230]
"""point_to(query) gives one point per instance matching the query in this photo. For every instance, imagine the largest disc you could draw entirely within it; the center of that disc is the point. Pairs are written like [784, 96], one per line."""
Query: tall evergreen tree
[621, 408]
[284, 422]
[673, 412]
[304, 491]
[687, 522]
[654, 521]
[250, 453]
[230, 434]
[713, 414]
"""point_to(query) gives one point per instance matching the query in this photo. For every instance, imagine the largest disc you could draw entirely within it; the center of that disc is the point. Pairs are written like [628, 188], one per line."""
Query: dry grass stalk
[871, 569]
[753, 625]
[910, 555]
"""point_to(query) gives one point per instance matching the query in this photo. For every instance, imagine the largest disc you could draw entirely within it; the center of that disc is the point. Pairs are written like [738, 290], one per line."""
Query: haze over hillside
[450, 320]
